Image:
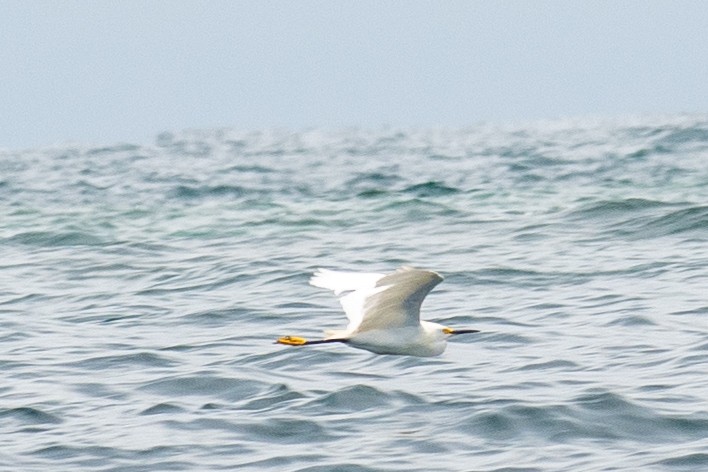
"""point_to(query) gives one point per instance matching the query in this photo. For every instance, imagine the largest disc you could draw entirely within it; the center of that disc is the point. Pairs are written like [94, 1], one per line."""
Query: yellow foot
[292, 340]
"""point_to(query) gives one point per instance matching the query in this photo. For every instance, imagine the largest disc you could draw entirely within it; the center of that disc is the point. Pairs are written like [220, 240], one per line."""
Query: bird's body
[383, 312]
[425, 340]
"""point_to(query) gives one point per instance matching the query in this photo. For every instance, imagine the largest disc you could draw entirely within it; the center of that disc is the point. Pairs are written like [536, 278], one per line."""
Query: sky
[122, 71]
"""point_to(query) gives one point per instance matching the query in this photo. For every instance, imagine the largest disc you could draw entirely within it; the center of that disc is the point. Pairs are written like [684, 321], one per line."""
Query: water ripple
[142, 287]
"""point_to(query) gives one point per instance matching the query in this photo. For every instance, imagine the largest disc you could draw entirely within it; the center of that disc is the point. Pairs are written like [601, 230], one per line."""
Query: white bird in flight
[383, 312]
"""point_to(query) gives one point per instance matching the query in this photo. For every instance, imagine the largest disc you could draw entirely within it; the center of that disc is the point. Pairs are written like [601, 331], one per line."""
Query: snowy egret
[383, 312]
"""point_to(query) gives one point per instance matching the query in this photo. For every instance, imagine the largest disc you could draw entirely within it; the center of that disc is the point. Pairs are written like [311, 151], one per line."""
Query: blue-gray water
[142, 286]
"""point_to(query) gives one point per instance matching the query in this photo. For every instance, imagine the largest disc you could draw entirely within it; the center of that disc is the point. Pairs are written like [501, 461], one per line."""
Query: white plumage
[383, 312]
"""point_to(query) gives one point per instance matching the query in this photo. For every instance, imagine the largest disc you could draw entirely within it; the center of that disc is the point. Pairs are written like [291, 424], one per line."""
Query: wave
[687, 220]
[28, 416]
[643, 218]
[613, 208]
[54, 239]
[430, 189]
[188, 192]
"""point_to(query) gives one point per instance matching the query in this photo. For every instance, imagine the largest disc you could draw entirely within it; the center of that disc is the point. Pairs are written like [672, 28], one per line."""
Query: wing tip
[340, 282]
[325, 278]
[431, 273]
[318, 276]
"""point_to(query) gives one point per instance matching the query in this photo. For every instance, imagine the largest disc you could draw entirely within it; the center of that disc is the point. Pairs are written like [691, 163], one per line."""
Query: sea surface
[142, 286]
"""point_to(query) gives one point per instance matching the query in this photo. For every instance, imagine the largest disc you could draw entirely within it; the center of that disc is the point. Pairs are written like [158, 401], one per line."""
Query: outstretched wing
[396, 299]
[379, 301]
[358, 285]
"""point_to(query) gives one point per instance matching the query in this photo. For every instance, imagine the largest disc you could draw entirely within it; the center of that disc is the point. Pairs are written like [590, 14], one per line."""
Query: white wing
[397, 298]
[359, 285]
[379, 301]
[340, 282]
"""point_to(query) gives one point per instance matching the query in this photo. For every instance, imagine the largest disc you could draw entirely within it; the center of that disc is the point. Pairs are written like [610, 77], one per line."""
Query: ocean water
[142, 286]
